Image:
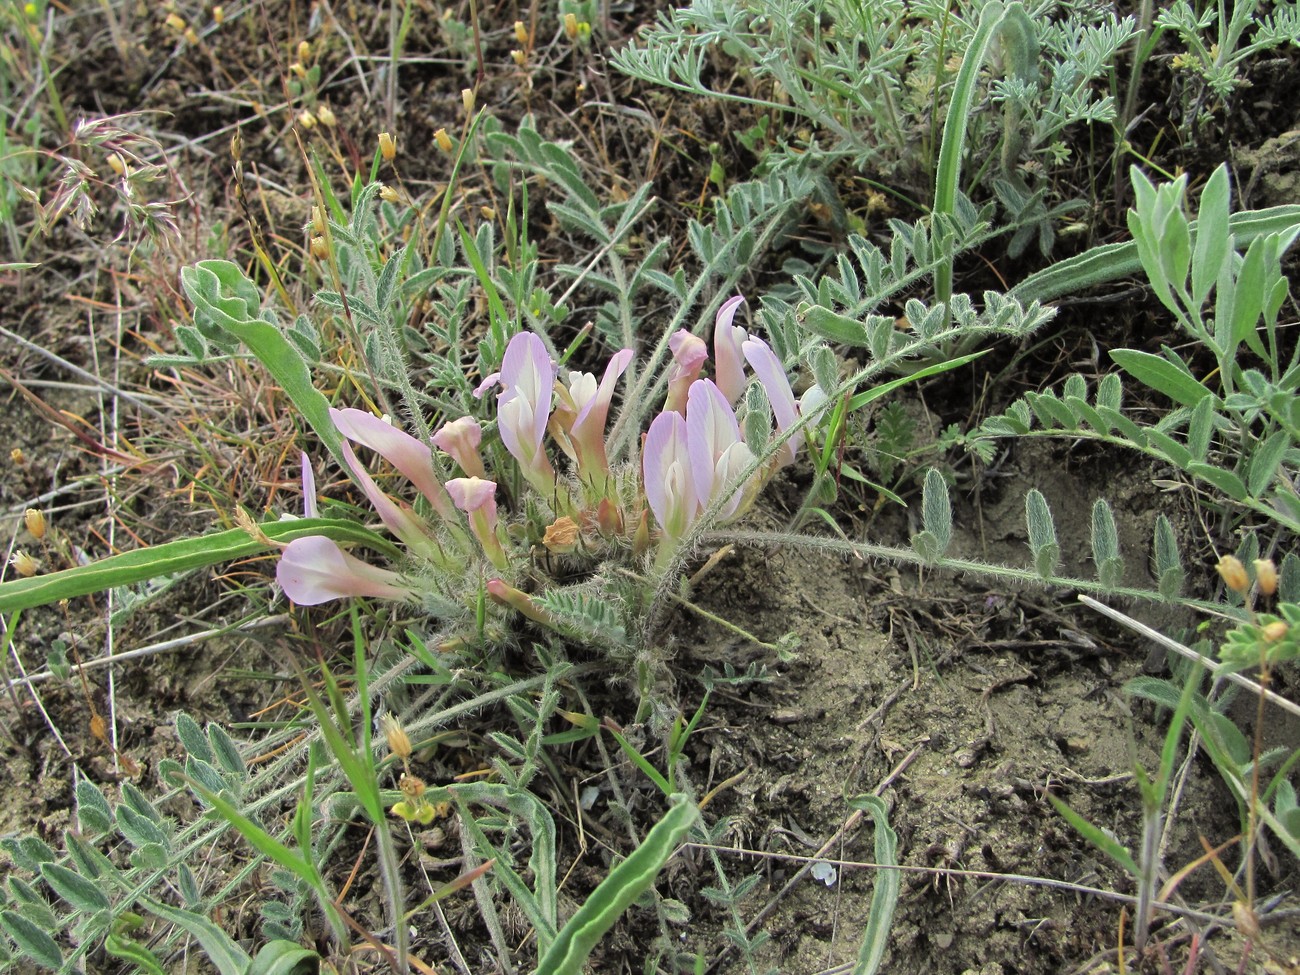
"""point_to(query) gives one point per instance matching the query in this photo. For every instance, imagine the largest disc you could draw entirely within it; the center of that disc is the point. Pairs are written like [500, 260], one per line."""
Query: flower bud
[387, 147]
[306, 119]
[521, 33]
[35, 522]
[317, 221]
[304, 51]
[218, 15]
[389, 195]
[116, 163]
[444, 140]
[398, 742]
[24, 564]
[1276, 630]
[571, 26]
[467, 99]
[320, 248]
[487, 213]
[191, 36]
[519, 58]
[325, 115]
[1233, 574]
[17, 457]
[1266, 576]
[297, 69]
[176, 22]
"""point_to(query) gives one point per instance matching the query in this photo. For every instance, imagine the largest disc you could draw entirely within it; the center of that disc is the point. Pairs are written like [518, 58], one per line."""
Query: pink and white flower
[524, 405]
[717, 453]
[411, 457]
[666, 474]
[314, 570]
[591, 402]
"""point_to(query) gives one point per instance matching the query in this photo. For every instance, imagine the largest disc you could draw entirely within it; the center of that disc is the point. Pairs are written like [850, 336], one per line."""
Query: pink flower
[729, 364]
[477, 498]
[666, 474]
[314, 570]
[587, 433]
[524, 406]
[717, 453]
[771, 374]
[460, 439]
[689, 353]
[412, 458]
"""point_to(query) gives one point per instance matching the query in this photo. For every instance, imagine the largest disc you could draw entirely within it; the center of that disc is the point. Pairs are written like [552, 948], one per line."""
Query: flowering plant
[574, 503]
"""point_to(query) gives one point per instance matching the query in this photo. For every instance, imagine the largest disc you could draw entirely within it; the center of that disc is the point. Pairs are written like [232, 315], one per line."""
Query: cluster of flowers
[693, 457]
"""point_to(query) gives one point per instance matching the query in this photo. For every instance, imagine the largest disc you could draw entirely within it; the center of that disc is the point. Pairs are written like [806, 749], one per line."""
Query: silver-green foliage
[865, 72]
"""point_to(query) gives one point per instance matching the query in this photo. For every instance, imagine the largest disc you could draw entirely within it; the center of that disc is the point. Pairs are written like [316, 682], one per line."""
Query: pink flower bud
[771, 374]
[728, 357]
[689, 353]
[477, 498]
[461, 438]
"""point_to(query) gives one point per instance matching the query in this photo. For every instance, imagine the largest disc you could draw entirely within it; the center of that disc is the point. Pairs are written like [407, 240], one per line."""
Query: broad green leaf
[1105, 545]
[1226, 481]
[1161, 375]
[1264, 461]
[179, 556]
[1179, 455]
[1248, 297]
[82, 894]
[224, 954]
[936, 508]
[235, 307]
[94, 814]
[885, 890]
[1213, 239]
[1042, 534]
[285, 958]
[834, 327]
[626, 882]
[31, 940]
[192, 738]
[1112, 262]
[226, 751]
[1168, 562]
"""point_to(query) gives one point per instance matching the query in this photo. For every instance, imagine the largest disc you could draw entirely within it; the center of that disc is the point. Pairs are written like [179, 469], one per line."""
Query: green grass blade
[180, 556]
[625, 883]
[1098, 837]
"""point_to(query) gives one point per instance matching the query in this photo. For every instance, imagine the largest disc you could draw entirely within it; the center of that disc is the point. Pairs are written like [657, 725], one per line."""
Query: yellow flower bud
[317, 221]
[412, 787]
[398, 742]
[24, 564]
[306, 119]
[218, 15]
[467, 99]
[1276, 630]
[521, 33]
[488, 213]
[444, 140]
[1233, 574]
[299, 70]
[176, 22]
[389, 195]
[519, 58]
[320, 249]
[387, 147]
[571, 26]
[116, 163]
[18, 457]
[304, 51]
[35, 521]
[1266, 576]
[191, 36]
[326, 116]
